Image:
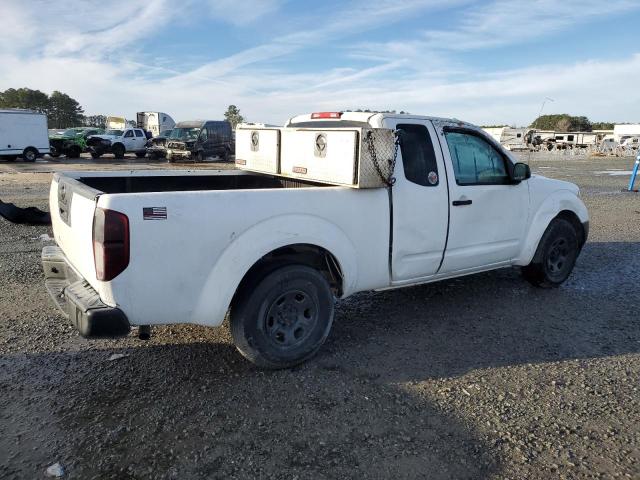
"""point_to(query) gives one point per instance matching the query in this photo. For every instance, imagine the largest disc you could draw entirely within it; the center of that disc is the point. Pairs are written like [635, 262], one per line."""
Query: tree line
[62, 111]
[567, 123]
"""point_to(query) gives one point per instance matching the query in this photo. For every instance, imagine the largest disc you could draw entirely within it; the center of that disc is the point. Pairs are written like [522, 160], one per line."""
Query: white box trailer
[155, 122]
[23, 133]
[354, 157]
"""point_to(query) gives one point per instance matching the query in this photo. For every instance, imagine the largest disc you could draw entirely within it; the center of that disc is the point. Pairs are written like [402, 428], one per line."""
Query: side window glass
[139, 133]
[418, 155]
[204, 135]
[475, 161]
[129, 134]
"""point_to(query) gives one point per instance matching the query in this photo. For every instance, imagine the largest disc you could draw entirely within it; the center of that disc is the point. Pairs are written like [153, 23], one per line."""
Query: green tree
[563, 123]
[98, 121]
[64, 111]
[602, 125]
[232, 115]
[25, 98]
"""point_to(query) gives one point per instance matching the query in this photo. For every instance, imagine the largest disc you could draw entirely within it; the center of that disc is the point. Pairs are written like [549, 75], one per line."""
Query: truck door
[141, 139]
[488, 211]
[420, 202]
[129, 140]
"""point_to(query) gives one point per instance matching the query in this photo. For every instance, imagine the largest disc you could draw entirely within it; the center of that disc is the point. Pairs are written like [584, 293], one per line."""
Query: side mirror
[521, 171]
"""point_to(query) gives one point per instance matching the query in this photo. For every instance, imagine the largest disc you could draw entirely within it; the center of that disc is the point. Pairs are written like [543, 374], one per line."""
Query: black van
[197, 140]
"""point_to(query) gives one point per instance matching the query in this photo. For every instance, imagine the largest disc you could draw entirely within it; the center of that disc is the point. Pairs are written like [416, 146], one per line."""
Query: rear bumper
[78, 301]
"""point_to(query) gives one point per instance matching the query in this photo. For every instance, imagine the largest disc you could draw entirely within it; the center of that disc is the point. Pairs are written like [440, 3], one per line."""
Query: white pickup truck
[118, 142]
[275, 250]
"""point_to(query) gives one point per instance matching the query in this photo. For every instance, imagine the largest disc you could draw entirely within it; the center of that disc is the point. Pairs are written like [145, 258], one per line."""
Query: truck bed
[181, 181]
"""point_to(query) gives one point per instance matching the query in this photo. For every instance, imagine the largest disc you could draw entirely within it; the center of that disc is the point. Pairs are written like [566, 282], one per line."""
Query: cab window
[129, 134]
[139, 133]
[475, 161]
[204, 135]
[418, 155]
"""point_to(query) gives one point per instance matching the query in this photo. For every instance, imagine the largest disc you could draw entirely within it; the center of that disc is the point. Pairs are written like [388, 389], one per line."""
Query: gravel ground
[479, 377]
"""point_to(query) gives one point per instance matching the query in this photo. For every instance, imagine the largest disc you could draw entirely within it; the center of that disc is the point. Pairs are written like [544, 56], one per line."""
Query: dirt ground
[479, 377]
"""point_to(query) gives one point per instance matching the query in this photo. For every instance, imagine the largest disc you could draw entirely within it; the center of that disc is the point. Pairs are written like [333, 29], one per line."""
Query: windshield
[184, 133]
[115, 133]
[166, 134]
[72, 132]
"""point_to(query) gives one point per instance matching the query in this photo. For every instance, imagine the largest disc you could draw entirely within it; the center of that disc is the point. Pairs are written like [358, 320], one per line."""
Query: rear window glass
[418, 155]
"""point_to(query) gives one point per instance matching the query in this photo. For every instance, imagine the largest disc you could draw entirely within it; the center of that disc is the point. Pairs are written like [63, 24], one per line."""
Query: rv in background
[513, 139]
[154, 122]
[23, 133]
[624, 131]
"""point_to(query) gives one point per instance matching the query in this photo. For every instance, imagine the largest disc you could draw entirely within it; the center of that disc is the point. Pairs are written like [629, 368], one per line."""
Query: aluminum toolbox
[341, 156]
[258, 148]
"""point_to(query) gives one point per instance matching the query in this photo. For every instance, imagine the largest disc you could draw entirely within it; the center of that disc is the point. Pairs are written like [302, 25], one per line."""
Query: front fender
[550, 208]
[244, 250]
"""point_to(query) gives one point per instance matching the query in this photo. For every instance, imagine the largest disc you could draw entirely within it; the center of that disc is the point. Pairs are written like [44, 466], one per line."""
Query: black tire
[118, 151]
[141, 154]
[199, 157]
[284, 319]
[74, 152]
[555, 256]
[95, 155]
[53, 152]
[29, 154]
[226, 155]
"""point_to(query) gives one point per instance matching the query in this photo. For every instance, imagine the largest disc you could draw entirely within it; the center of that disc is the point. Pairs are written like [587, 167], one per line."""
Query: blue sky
[483, 61]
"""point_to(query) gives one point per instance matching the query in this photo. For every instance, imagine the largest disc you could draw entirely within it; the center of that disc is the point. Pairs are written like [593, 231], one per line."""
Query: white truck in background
[329, 206]
[23, 133]
[154, 122]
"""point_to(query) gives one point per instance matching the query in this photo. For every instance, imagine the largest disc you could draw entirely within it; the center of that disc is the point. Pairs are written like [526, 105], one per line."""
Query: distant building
[622, 132]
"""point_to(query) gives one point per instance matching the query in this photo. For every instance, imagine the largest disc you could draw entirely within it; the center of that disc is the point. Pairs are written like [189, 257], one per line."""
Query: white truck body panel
[258, 148]
[116, 123]
[21, 129]
[155, 122]
[186, 268]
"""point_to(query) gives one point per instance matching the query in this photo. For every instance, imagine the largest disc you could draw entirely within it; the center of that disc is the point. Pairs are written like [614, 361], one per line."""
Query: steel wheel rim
[558, 256]
[291, 319]
[30, 155]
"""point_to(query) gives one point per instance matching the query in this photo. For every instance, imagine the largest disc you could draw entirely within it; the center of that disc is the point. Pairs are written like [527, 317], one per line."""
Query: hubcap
[290, 319]
[558, 255]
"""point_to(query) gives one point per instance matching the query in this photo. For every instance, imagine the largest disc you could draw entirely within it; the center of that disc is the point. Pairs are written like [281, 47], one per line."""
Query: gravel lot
[480, 377]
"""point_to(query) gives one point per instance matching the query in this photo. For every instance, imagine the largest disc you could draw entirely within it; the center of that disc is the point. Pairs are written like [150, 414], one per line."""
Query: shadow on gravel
[494, 319]
[197, 410]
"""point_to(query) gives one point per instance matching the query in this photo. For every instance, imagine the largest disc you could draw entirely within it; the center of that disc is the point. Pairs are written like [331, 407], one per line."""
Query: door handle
[459, 203]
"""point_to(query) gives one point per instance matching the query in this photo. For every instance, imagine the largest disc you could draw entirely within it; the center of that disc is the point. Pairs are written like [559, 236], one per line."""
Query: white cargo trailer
[23, 133]
[155, 122]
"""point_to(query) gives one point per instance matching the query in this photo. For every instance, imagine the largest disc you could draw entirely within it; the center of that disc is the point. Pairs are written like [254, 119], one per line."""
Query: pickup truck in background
[118, 142]
[274, 250]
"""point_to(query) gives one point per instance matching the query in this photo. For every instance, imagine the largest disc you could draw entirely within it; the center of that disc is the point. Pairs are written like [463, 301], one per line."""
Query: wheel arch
[561, 204]
[313, 241]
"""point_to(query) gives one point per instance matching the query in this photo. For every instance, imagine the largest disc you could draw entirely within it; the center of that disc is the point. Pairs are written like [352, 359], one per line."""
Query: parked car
[23, 133]
[118, 142]
[275, 250]
[72, 142]
[198, 140]
[157, 146]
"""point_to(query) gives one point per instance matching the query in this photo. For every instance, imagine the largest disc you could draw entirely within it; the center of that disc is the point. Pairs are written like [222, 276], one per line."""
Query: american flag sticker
[154, 213]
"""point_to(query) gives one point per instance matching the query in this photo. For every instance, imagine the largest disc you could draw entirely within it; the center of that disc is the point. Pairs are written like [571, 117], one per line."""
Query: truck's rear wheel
[118, 151]
[30, 154]
[555, 257]
[285, 319]
[141, 154]
[95, 155]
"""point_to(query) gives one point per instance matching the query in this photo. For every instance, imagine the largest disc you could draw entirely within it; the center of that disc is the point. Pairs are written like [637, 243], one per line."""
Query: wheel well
[573, 219]
[303, 254]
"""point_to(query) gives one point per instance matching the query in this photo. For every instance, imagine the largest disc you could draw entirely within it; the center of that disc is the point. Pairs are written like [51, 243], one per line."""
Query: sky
[487, 62]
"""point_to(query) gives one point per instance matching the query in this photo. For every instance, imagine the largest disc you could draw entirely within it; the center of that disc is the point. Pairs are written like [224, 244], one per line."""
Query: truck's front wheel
[285, 319]
[555, 257]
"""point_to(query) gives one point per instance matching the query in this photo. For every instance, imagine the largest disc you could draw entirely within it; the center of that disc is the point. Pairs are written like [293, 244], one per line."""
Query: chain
[390, 180]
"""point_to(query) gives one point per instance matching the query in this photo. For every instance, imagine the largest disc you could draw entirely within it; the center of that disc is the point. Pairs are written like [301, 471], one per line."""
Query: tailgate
[72, 206]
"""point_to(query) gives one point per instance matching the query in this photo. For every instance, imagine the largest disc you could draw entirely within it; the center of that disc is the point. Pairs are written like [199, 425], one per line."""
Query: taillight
[110, 243]
[326, 115]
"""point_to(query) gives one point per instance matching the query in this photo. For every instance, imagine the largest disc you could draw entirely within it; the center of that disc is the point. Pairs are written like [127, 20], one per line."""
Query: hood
[551, 184]
[104, 137]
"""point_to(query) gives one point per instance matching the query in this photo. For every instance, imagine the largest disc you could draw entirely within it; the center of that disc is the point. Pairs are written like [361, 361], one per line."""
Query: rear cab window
[418, 155]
